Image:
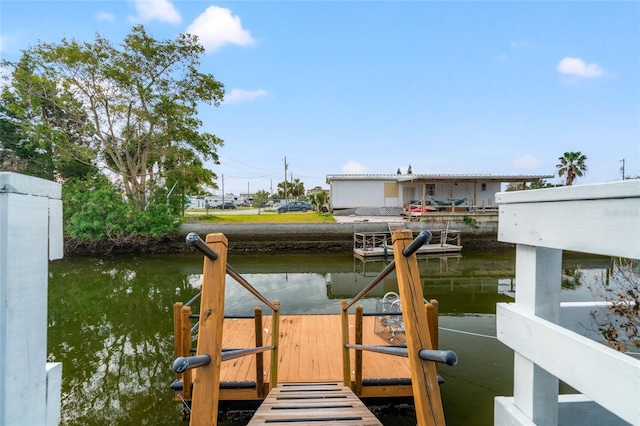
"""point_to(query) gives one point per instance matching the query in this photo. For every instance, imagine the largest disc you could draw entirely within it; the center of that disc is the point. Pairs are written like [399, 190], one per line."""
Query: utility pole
[223, 190]
[285, 181]
[622, 169]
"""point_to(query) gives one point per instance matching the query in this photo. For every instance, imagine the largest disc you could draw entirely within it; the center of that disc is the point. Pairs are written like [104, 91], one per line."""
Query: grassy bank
[263, 217]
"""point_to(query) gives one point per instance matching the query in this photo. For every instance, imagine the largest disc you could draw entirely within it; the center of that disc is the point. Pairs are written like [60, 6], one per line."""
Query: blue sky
[372, 86]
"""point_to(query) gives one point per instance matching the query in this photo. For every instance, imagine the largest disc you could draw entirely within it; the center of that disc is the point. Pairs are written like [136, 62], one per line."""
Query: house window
[391, 190]
[483, 187]
[431, 189]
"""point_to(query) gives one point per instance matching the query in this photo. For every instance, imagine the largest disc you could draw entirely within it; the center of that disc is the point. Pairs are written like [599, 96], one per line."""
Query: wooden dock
[317, 403]
[390, 357]
[310, 351]
[378, 244]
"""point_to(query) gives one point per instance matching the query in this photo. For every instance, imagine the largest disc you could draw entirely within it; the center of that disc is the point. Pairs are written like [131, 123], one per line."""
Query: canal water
[110, 323]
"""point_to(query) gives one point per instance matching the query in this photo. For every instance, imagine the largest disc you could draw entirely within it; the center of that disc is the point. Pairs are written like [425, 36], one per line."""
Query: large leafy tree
[137, 106]
[572, 164]
[42, 131]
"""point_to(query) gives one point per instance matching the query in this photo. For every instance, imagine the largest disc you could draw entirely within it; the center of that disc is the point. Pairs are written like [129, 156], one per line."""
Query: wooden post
[185, 336]
[432, 319]
[177, 333]
[346, 362]
[358, 358]
[275, 335]
[424, 379]
[206, 383]
[259, 356]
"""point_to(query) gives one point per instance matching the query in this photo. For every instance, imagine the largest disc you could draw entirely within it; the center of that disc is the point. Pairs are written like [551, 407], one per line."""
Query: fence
[549, 337]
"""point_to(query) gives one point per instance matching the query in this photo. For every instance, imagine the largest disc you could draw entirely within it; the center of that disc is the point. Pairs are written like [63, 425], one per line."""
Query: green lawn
[263, 217]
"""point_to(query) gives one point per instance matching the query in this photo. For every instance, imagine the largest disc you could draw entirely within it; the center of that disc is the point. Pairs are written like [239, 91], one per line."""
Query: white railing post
[30, 236]
[538, 271]
[601, 219]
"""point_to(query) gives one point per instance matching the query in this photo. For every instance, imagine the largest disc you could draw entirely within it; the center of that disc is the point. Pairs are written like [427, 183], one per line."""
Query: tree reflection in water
[111, 324]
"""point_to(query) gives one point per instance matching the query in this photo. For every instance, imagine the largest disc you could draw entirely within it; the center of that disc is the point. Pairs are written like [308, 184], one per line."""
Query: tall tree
[140, 99]
[296, 188]
[573, 165]
[42, 130]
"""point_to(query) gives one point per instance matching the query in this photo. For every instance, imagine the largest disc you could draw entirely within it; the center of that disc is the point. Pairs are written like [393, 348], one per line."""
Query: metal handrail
[448, 357]
[193, 239]
[182, 364]
[381, 276]
[233, 274]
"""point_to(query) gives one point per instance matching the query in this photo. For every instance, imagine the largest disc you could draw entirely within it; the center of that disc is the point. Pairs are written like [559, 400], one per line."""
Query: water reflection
[110, 323]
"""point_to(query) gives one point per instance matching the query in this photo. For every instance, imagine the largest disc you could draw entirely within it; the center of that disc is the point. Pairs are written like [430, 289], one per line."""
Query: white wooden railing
[547, 336]
[30, 236]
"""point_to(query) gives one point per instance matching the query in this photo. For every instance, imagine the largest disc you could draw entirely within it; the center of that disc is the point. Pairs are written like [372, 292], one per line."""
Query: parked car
[226, 205]
[295, 206]
[417, 208]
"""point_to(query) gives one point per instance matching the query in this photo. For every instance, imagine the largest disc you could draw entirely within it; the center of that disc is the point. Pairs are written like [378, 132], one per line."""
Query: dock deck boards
[317, 403]
[425, 249]
[310, 351]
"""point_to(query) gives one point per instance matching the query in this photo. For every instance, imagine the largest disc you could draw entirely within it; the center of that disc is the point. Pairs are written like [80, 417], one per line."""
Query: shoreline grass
[263, 217]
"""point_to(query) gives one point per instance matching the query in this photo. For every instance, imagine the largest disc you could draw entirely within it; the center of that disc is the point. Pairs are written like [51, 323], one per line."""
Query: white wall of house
[362, 193]
[356, 193]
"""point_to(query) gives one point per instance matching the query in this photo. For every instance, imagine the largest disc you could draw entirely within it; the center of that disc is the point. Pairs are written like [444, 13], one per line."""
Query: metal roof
[437, 177]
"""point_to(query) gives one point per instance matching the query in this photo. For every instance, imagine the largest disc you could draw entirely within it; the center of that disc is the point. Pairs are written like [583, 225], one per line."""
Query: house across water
[394, 192]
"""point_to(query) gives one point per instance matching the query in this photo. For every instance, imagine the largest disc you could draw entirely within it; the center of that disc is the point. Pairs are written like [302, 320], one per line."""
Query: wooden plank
[259, 357]
[177, 332]
[346, 362]
[317, 403]
[322, 352]
[206, 384]
[185, 337]
[426, 390]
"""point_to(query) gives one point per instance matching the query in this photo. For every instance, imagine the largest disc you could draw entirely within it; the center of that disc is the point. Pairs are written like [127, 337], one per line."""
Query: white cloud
[238, 96]
[157, 10]
[353, 167]
[526, 162]
[578, 67]
[105, 16]
[217, 27]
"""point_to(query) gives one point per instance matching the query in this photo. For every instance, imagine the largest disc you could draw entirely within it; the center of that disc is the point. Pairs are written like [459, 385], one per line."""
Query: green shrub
[94, 209]
[471, 222]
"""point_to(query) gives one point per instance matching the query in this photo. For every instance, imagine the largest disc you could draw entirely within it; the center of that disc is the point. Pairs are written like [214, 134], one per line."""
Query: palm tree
[573, 164]
[321, 200]
[296, 189]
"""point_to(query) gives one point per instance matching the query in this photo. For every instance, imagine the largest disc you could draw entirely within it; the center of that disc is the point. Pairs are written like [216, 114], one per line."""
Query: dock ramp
[313, 403]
